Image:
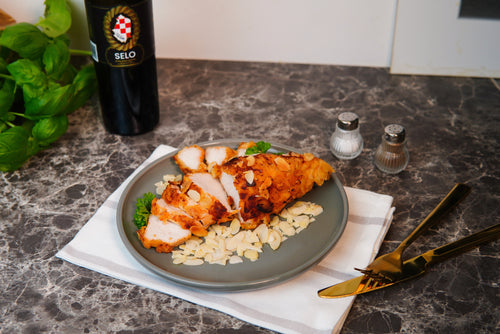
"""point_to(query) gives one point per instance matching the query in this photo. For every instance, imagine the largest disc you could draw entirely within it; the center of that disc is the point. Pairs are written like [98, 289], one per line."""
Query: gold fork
[413, 267]
[388, 267]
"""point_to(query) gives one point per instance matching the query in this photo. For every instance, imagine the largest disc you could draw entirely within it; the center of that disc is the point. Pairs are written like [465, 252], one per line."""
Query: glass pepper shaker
[346, 141]
[392, 155]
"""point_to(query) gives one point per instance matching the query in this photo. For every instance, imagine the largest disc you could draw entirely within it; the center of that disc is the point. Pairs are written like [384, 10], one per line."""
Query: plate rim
[213, 285]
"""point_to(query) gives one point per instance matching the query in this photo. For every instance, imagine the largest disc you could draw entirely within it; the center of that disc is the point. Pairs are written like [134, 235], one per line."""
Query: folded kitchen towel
[289, 307]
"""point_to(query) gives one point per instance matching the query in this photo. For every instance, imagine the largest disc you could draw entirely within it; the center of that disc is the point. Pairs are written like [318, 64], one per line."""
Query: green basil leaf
[5, 53]
[51, 102]
[7, 94]
[3, 65]
[26, 72]
[48, 130]
[68, 75]
[82, 88]
[25, 39]
[14, 148]
[56, 59]
[57, 18]
[63, 38]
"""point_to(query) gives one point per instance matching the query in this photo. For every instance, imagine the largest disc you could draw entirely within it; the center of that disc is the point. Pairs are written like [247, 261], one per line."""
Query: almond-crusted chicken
[263, 184]
[220, 184]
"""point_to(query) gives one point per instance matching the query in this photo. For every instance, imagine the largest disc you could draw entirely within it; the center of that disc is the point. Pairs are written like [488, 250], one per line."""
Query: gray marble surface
[453, 136]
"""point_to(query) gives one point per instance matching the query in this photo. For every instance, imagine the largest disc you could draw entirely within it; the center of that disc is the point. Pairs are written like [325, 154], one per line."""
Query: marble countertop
[453, 136]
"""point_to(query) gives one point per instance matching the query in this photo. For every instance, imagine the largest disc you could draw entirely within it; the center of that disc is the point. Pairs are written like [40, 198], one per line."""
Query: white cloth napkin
[289, 307]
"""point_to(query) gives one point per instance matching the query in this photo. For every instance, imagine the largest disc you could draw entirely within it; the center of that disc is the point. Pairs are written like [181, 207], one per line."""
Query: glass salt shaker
[392, 155]
[346, 141]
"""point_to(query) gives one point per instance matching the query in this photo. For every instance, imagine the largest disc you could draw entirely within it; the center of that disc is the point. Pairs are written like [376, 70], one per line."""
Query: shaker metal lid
[348, 121]
[395, 133]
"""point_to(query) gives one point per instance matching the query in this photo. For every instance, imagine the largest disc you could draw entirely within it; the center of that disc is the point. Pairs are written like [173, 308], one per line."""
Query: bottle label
[121, 36]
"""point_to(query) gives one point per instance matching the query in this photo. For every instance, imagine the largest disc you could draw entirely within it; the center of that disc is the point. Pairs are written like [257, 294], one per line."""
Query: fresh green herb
[143, 209]
[39, 86]
[260, 147]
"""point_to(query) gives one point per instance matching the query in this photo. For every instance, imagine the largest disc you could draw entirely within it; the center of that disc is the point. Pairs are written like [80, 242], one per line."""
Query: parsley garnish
[143, 209]
[260, 147]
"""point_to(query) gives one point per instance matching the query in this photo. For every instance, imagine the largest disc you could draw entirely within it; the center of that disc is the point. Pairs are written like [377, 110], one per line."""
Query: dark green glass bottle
[122, 44]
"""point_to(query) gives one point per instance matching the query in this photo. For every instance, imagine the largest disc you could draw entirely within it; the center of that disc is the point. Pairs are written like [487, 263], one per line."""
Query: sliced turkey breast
[163, 235]
[166, 211]
[218, 155]
[210, 197]
[210, 185]
[197, 202]
[191, 159]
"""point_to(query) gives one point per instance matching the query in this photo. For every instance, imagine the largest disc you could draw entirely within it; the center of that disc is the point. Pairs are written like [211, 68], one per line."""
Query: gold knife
[413, 267]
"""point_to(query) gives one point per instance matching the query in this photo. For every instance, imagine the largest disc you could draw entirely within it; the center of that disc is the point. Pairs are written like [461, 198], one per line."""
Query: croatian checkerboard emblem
[123, 28]
[122, 31]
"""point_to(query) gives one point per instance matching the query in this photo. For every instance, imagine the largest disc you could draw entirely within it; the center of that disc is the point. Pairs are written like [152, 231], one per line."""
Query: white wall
[341, 32]
[355, 32]
[429, 39]
[31, 11]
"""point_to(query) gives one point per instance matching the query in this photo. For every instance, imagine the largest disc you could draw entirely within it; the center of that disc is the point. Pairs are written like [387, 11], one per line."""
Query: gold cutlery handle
[413, 267]
[462, 245]
[456, 194]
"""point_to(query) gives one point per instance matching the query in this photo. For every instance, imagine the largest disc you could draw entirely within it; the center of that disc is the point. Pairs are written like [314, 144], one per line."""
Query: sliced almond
[235, 259]
[251, 254]
[192, 261]
[185, 185]
[286, 228]
[308, 156]
[282, 164]
[298, 208]
[262, 232]
[211, 166]
[212, 242]
[233, 242]
[235, 226]
[198, 231]
[274, 239]
[193, 243]
[200, 252]
[249, 177]
[160, 187]
[178, 260]
[274, 221]
[250, 160]
[314, 210]
[219, 229]
[302, 221]
[251, 237]
[194, 195]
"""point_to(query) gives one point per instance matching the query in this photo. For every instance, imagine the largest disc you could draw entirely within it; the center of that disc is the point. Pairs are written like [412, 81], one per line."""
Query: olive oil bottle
[122, 44]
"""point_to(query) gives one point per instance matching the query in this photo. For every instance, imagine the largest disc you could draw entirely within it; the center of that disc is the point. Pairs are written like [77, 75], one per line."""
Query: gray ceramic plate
[295, 255]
